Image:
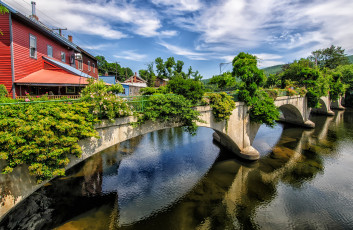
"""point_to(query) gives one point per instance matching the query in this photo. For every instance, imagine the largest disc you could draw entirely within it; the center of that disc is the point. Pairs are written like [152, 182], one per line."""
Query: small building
[111, 80]
[161, 82]
[36, 60]
[135, 83]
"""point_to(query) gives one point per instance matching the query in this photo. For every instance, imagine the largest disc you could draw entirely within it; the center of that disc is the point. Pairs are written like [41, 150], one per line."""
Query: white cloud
[131, 55]
[97, 18]
[180, 5]
[184, 52]
[168, 33]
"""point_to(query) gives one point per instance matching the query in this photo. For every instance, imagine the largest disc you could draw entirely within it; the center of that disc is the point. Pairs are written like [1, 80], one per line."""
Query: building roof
[142, 85]
[135, 79]
[46, 77]
[67, 67]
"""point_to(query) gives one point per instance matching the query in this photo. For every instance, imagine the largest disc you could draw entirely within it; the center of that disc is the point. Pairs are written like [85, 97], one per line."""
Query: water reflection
[171, 180]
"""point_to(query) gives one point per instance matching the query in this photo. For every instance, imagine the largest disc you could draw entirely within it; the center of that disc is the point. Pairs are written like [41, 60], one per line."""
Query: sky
[201, 33]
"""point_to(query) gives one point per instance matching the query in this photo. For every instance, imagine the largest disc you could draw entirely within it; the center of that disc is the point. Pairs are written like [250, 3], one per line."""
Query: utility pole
[116, 71]
[220, 66]
[60, 30]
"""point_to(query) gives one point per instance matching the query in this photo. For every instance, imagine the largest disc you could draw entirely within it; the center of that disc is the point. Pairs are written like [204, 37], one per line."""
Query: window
[32, 46]
[49, 51]
[63, 59]
[94, 67]
[70, 89]
[89, 66]
[79, 64]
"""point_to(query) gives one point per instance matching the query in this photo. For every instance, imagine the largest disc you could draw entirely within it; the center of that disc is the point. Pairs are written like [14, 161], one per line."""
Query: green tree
[160, 66]
[189, 88]
[148, 75]
[262, 107]
[330, 57]
[225, 80]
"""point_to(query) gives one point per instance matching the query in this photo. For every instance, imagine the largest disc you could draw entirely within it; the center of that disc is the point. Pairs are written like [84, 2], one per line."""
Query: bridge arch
[324, 107]
[291, 114]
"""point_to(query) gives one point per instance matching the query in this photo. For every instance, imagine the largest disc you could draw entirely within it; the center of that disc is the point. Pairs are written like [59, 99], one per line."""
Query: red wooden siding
[5, 53]
[24, 64]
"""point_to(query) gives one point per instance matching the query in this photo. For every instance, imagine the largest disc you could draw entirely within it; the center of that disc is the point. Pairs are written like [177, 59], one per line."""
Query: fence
[51, 97]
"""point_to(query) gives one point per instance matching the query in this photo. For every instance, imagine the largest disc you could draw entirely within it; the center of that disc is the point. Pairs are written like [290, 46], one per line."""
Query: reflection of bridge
[237, 134]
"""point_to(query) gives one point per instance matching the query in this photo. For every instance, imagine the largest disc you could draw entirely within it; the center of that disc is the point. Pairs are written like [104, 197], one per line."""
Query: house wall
[85, 66]
[5, 53]
[24, 64]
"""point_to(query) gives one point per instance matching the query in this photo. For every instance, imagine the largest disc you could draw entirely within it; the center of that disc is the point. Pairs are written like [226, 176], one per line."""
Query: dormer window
[32, 46]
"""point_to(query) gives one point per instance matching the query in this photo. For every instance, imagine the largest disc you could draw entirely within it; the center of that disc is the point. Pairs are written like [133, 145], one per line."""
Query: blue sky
[202, 33]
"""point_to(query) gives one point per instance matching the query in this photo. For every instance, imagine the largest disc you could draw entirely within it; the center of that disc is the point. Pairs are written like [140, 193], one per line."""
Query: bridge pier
[337, 104]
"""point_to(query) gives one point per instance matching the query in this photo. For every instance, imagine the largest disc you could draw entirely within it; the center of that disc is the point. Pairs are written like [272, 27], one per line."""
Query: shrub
[222, 106]
[3, 91]
[171, 108]
[43, 135]
[191, 89]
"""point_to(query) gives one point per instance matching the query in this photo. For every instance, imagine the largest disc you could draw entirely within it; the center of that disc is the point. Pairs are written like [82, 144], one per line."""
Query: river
[169, 179]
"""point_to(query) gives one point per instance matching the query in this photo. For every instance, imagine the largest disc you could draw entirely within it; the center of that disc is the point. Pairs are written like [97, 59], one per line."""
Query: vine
[171, 108]
[222, 106]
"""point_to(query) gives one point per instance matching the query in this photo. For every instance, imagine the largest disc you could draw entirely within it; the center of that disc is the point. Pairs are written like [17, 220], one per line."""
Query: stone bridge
[237, 134]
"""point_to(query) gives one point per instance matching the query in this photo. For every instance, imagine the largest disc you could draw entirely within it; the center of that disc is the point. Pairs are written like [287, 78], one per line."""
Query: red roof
[52, 77]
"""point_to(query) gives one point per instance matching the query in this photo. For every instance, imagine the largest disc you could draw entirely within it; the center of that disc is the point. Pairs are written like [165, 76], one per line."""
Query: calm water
[171, 180]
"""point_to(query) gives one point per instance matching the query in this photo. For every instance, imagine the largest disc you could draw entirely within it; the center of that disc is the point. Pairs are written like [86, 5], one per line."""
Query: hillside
[275, 69]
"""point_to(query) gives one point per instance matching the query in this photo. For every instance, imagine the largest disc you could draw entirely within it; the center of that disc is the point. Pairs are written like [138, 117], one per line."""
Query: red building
[36, 60]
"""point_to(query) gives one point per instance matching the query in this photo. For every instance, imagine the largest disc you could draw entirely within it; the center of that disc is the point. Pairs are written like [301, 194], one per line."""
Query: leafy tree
[161, 72]
[189, 88]
[113, 69]
[224, 80]
[330, 57]
[262, 108]
[302, 74]
[148, 75]
[273, 80]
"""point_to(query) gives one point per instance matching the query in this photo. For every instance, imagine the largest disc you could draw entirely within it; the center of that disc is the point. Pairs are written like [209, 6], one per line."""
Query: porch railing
[52, 97]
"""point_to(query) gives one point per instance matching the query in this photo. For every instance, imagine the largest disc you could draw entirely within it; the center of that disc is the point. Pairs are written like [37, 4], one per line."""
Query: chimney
[34, 16]
[135, 77]
[106, 73]
[69, 37]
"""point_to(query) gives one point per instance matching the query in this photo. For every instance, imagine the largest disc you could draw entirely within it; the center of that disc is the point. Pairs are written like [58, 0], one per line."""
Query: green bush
[192, 90]
[43, 136]
[170, 108]
[105, 103]
[222, 106]
[263, 110]
[3, 91]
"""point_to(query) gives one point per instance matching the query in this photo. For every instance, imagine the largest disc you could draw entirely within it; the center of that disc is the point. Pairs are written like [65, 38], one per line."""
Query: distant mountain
[350, 59]
[272, 69]
[277, 68]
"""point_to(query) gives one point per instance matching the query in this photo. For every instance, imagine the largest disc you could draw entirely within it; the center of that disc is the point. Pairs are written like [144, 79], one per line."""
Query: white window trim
[35, 53]
[80, 64]
[51, 51]
[61, 56]
[89, 65]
